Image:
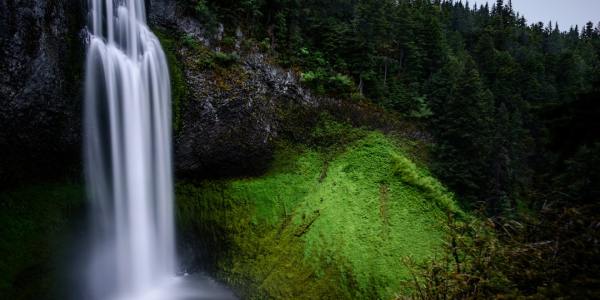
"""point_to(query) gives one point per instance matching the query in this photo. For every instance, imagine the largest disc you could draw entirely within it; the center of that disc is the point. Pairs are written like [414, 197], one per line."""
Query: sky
[567, 12]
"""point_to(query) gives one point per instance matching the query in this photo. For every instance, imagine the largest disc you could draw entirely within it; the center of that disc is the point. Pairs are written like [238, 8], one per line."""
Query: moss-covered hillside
[327, 221]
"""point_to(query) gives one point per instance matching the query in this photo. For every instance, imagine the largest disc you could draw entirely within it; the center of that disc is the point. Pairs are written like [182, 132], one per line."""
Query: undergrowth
[33, 221]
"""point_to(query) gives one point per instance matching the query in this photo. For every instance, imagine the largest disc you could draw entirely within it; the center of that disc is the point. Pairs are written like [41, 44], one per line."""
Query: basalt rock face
[231, 112]
[40, 83]
[229, 122]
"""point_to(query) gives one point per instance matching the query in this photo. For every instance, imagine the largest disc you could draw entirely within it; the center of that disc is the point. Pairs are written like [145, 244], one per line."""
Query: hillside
[335, 222]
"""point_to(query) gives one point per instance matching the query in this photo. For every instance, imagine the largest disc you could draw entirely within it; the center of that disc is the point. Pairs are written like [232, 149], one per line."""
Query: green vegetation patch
[325, 222]
[178, 84]
[366, 213]
[33, 221]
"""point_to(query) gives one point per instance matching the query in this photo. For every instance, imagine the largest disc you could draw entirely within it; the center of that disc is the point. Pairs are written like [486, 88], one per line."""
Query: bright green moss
[371, 218]
[336, 222]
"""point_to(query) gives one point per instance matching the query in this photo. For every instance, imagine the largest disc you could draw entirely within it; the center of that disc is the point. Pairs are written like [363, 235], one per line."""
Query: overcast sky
[566, 12]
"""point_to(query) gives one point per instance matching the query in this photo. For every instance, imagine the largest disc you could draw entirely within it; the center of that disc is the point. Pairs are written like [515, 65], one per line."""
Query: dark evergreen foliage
[512, 107]
[477, 76]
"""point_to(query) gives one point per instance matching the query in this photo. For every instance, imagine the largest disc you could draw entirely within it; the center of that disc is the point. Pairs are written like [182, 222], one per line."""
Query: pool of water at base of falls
[198, 286]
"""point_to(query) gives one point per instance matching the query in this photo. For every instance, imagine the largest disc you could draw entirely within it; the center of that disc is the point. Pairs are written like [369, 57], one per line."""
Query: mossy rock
[170, 44]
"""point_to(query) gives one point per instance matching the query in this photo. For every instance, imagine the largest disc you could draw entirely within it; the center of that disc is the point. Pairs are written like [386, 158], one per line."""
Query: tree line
[483, 80]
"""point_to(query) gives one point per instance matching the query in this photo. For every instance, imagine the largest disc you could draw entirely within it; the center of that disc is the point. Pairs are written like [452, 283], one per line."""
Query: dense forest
[512, 109]
[333, 149]
[488, 86]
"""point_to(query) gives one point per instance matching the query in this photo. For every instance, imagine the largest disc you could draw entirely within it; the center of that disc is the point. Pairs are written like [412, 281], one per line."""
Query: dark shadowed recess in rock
[41, 54]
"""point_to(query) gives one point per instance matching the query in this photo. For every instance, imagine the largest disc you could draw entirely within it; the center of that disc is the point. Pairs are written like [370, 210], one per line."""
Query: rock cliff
[40, 83]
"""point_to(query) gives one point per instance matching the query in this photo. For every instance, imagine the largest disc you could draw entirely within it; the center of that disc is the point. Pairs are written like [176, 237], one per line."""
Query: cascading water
[128, 152]
[127, 141]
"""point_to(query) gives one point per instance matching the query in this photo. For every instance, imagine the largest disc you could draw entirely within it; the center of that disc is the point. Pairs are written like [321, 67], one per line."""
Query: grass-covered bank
[34, 221]
[325, 222]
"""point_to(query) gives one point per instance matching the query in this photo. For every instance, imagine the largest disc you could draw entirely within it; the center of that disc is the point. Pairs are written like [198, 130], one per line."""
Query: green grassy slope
[325, 222]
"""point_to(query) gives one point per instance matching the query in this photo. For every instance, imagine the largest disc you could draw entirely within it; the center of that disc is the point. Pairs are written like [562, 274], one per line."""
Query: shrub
[340, 84]
[471, 268]
[190, 41]
[553, 256]
[314, 80]
[226, 59]
[421, 109]
[228, 42]
[265, 45]
[206, 15]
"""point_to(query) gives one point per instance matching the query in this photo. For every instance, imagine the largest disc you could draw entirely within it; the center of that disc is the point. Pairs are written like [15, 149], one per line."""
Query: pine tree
[462, 120]
[588, 31]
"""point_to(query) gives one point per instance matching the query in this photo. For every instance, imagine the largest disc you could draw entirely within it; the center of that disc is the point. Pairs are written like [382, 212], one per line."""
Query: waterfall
[127, 145]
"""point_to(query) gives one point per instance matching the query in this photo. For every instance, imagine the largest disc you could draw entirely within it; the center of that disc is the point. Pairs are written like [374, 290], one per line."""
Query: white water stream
[127, 145]
[128, 151]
